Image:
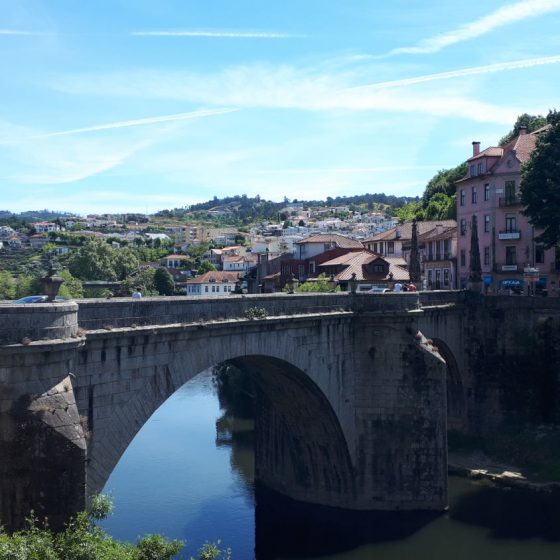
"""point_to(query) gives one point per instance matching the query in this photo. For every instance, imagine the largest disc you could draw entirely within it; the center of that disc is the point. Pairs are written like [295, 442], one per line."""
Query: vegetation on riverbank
[83, 539]
[535, 450]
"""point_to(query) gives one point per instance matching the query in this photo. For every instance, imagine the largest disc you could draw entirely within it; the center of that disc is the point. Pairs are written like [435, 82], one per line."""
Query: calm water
[189, 475]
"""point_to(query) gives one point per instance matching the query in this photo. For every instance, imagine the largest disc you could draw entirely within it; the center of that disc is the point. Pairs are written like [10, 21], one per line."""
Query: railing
[509, 201]
[509, 234]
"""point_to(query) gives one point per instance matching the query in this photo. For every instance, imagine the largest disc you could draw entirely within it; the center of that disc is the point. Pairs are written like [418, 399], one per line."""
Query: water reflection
[189, 474]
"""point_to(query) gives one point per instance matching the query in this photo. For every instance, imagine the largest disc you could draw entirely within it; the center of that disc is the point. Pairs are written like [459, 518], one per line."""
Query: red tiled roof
[491, 151]
[217, 276]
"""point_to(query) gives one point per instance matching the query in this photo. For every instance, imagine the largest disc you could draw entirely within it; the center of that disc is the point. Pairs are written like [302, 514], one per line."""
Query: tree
[530, 122]
[204, 267]
[475, 268]
[144, 279]
[163, 282]
[414, 271]
[320, 284]
[83, 539]
[97, 260]
[540, 185]
[7, 286]
[72, 287]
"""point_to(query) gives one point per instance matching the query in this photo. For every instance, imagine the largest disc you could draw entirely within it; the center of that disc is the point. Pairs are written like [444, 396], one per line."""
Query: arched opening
[455, 392]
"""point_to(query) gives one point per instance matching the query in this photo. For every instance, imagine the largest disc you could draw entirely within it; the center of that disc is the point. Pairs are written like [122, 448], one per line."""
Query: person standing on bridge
[136, 294]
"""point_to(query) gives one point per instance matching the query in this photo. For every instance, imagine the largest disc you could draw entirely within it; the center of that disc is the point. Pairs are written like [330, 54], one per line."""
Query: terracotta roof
[405, 230]
[491, 151]
[176, 257]
[217, 276]
[354, 264]
[338, 240]
[435, 234]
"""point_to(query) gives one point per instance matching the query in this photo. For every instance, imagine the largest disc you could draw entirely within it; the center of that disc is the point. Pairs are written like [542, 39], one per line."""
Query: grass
[534, 449]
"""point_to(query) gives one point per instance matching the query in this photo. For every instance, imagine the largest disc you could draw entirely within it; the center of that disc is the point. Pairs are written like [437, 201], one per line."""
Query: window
[463, 258]
[390, 247]
[486, 255]
[463, 226]
[430, 277]
[511, 222]
[474, 195]
[511, 255]
[462, 198]
[539, 254]
[312, 267]
[205, 288]
[487, 191]
[473, 170]
[510, 192]
[480, 168]
[446, 277]
[301, 270]
[487, 223]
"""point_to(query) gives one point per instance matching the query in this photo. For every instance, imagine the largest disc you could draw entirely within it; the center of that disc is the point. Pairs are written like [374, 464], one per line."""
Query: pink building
[510, 256]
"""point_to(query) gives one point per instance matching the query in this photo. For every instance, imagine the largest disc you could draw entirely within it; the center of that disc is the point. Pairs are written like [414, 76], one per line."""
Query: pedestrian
[136, 294]
[397, 287]
[412, 287]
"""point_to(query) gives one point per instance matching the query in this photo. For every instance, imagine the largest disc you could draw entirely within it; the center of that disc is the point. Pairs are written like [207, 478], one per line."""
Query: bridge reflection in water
[176, 479]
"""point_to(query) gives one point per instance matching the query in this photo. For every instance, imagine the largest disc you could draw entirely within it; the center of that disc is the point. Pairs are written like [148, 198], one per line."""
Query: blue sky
[137, 105]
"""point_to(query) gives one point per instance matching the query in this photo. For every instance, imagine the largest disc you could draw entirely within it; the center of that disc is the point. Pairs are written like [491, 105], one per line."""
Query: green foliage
[101, 506]
[97, 260]
[204, 267]
[412, 211]
[441, 207]
[7, 286]
[320, 284]
[72, 287]
[144, 279]
[27, 285]
[212, 551]
[540, 187]
[83, 540]
[532, 122]
[255, 313]
[163, 282]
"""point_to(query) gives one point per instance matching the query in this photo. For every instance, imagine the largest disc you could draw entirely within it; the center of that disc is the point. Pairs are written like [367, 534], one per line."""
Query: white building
[213, 283]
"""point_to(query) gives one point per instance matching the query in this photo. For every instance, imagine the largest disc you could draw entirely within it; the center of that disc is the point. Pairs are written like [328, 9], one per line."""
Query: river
[188, 474]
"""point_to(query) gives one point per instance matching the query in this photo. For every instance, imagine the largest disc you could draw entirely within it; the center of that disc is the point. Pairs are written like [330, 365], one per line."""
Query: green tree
[409, 212]
[205, 266]
[414, 268]
[540, 186]
[441, 207]
[72, 287]
[27, 285]
[320, 284]
[530, 122]
[163, 282]
[7, 286]
[144, 279]
[97, 260]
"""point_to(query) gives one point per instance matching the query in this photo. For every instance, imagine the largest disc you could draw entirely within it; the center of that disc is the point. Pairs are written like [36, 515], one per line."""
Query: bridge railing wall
[121, 312]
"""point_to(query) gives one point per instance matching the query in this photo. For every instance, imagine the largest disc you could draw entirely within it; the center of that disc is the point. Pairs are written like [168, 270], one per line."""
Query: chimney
[522, 130]
[475, 148]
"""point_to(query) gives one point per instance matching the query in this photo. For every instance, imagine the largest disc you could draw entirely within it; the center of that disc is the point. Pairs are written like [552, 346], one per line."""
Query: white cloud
[217, 34]
[506, 15]
[126, 124]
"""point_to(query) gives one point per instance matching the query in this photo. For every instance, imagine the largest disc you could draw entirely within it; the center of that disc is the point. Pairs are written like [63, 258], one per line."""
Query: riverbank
[477, 465]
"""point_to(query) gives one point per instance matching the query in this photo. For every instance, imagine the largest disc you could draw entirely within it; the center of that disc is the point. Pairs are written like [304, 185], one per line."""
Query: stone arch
[456, 405]
[301, 450]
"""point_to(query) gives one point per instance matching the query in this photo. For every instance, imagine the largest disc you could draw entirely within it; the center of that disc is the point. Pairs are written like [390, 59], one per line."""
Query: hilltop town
[248, 245]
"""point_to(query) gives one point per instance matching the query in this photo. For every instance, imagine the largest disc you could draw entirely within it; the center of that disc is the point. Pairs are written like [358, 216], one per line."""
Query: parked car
[38, 299]
[377, 290]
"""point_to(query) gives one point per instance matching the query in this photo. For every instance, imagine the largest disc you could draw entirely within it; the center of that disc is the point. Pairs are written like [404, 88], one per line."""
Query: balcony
[509, 201]
[509, 235]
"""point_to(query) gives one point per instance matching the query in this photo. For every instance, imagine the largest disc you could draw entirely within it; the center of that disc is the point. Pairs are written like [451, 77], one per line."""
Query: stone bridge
[354, 391]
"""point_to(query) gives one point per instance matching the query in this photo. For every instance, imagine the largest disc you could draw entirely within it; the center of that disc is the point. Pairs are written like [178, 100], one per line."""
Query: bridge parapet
[22, 324]
[120, 312]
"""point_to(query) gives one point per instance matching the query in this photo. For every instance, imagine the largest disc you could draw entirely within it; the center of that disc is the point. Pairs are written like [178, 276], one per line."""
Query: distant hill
[243, 209]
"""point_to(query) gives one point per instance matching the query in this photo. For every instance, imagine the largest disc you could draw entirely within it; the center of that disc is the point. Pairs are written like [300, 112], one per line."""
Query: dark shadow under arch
[300, 449]
[456, 408]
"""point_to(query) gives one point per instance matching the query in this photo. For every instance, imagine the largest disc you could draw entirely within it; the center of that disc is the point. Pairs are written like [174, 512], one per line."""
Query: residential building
[367, 269]
[38, 240]
[174, 261]
[45, 227]
[507, 242]
[317, 244]
[213, 283]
